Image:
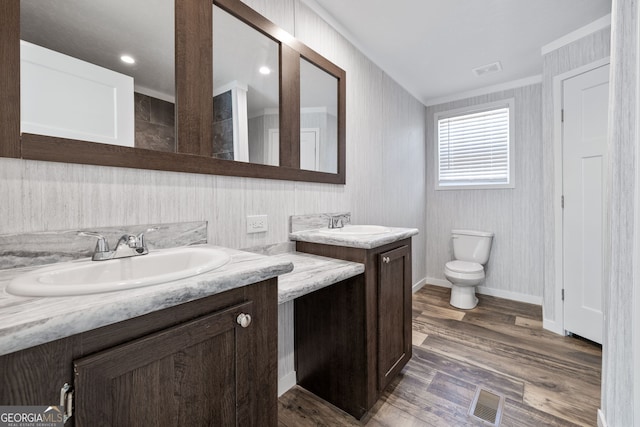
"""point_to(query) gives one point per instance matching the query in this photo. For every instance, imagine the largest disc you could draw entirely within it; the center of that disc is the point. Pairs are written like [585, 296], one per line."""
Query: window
[475, 147]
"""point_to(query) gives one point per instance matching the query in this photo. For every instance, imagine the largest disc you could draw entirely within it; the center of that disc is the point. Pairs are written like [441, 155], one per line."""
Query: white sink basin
[356, 230]
[85, 276]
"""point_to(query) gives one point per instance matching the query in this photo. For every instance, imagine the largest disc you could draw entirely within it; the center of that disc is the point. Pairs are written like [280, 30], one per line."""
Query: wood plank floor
[546, 379]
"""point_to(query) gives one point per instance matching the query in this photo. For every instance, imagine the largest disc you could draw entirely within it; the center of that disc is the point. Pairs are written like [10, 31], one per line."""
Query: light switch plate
[256, 223]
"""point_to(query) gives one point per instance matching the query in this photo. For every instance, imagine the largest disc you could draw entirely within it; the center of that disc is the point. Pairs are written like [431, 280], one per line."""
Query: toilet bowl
[471, 250]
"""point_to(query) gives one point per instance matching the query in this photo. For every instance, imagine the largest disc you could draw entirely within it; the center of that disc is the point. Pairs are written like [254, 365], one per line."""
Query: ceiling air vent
[488, 69]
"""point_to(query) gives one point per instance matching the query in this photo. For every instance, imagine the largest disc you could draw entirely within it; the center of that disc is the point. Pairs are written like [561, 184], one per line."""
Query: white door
[310, 149]
[584, 170]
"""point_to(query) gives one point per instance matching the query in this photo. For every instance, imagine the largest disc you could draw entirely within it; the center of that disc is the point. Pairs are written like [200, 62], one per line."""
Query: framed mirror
[271, 148]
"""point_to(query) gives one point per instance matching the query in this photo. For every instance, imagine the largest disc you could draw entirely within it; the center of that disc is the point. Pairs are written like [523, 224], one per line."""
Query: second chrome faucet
[128, 245]
[339, 220]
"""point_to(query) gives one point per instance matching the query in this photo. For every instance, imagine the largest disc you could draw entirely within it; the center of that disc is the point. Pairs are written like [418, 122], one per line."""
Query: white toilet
[471, 251]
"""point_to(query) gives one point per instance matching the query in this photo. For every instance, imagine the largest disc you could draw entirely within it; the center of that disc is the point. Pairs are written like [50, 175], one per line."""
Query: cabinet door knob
[244, 320]
[385, 259]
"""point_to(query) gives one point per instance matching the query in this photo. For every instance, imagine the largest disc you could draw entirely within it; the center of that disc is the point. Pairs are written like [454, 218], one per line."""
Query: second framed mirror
[276, 101]
[246, 92]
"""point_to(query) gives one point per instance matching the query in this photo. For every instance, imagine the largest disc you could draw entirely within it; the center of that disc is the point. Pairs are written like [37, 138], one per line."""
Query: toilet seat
[464, 267]
[464, 273]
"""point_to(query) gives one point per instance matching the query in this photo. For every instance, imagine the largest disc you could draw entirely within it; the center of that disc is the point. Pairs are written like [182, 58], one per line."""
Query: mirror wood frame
[194, 106]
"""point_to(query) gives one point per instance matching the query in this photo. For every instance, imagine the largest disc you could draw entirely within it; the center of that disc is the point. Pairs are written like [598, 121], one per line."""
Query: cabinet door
[394, 313]
[193, 374]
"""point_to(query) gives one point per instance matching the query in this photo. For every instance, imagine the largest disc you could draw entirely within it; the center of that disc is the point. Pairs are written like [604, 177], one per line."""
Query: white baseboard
[286, 382]
[500, 293]
[438, 282]
[601, 420]
[416, 286]
[514, 296]
[552, 326]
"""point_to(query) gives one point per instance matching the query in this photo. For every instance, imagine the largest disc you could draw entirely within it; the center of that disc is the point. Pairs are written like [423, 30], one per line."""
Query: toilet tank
[472, 245]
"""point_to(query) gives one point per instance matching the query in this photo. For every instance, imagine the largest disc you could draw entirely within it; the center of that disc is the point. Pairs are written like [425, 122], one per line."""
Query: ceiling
[431, 47]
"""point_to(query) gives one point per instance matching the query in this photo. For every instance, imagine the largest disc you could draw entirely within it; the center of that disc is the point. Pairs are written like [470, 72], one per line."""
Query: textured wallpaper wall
[514, 215]
[620, 375]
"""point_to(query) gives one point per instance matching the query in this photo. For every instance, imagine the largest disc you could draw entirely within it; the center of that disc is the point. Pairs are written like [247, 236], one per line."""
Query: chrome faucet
[128, 245]
[339, 221]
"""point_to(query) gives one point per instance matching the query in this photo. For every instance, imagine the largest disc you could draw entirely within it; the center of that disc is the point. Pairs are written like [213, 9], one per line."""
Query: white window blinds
[473, 149]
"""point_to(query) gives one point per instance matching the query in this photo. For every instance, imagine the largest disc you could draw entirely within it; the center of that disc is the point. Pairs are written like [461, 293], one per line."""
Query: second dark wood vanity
[351, 340]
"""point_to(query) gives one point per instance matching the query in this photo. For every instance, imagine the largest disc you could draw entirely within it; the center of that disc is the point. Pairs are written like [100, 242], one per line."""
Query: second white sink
[356, 230]
[90, 277]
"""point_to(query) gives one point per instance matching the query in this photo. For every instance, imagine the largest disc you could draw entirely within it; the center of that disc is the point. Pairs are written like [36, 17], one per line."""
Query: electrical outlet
[256, 223]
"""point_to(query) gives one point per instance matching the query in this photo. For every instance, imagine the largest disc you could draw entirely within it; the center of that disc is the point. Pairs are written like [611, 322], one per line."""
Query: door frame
[272, 155]
[557, 326]
[636, 284]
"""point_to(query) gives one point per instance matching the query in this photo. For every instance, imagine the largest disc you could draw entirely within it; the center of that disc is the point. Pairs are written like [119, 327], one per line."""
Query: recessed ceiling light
[127, 59]
[265, 70]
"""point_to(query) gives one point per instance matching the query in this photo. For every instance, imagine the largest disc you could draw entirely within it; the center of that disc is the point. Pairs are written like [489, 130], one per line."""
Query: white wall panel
[280, 12]
[313, 31]
[403, 149]
[364, 138]
[56, 90]
[13, 195]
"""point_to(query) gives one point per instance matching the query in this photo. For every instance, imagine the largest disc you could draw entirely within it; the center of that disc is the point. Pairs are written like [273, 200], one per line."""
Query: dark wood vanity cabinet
[195, 373]
[354, 337]
[394, 313]
[191, 364]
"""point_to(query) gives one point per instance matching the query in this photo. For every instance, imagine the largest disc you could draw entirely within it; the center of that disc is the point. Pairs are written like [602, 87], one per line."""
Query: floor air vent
[487, 406]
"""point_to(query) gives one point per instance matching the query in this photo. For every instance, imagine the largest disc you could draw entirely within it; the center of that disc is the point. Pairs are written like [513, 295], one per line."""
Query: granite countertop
[312, 272]
[366, 241]
[29, 321]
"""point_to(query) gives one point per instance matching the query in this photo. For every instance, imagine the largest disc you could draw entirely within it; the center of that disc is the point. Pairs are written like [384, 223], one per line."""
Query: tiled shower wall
[155, 123]
[385, 169]
[223, 126]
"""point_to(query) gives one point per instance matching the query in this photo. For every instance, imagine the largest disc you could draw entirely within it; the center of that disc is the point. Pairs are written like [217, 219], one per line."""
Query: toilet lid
[464, 267]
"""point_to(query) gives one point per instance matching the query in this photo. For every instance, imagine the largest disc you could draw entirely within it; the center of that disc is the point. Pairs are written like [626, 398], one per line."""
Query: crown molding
[597, 25]
[527, 81]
